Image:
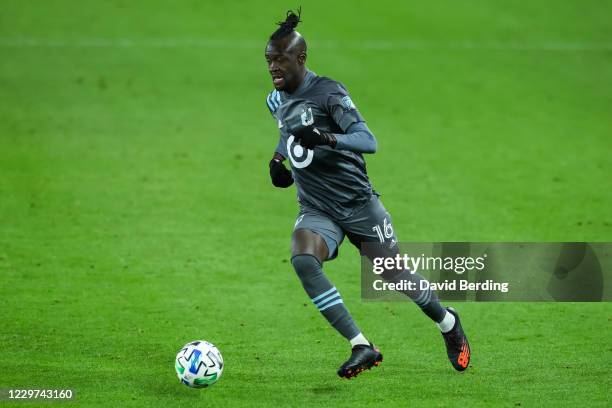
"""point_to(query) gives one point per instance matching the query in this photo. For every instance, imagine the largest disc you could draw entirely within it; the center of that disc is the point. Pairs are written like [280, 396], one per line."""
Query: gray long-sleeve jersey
[333, 180]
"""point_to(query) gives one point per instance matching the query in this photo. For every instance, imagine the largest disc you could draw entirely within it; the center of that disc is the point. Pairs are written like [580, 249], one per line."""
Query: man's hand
[310, 136]
[281, 177]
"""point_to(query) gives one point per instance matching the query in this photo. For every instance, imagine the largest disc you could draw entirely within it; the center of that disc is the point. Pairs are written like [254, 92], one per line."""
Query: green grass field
[136, 212]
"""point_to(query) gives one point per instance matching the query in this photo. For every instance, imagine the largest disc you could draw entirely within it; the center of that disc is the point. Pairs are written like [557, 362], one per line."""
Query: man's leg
[308, 252]
[314, 240]
[425, 299]
[372, 225]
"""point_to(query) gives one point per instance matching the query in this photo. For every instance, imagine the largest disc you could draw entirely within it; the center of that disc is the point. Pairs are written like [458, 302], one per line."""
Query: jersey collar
[308, 78]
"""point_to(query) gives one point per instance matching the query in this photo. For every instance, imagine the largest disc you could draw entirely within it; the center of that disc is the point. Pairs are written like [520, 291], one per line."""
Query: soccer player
[324, 137]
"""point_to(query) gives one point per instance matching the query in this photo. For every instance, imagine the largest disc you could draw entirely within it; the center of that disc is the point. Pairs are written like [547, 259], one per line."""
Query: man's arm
[280, 175]
[358, 138]
[278, 156]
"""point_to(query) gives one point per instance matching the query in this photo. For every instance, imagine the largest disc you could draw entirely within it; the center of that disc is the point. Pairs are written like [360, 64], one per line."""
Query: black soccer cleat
[362, 358]
[457, 346]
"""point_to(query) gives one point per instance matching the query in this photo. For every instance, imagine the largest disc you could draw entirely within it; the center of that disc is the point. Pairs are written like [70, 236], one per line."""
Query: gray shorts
[370, 223]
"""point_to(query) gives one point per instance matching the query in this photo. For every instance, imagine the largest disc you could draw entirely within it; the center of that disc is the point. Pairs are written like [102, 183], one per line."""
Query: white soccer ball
[199, 364]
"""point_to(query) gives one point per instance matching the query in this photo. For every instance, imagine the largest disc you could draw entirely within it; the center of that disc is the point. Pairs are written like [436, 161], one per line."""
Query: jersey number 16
[386, 231]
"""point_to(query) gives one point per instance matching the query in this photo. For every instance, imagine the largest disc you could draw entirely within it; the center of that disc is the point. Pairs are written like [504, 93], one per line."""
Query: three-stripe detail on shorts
[327, 299]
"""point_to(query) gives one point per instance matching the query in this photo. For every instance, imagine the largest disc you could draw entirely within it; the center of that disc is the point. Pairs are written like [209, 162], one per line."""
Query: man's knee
[305, 264]
[306, 242]
[308, 269]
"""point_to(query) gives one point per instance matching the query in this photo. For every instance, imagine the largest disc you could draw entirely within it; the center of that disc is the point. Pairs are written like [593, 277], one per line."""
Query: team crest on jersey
[348, 103]
[307, 117]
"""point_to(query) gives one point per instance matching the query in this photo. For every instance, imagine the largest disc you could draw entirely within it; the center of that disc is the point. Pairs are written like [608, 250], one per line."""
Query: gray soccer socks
[324, 295]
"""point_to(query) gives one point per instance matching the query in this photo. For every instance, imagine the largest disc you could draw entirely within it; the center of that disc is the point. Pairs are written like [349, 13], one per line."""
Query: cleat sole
[352, 373]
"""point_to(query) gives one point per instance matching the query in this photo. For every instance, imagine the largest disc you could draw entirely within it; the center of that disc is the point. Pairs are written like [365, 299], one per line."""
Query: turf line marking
[381, 45]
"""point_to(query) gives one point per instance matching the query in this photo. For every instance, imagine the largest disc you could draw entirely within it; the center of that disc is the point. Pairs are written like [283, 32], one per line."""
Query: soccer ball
[199, 364]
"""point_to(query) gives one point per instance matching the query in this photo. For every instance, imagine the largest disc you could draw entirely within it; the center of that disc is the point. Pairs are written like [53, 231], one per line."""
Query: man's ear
[302, 58]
